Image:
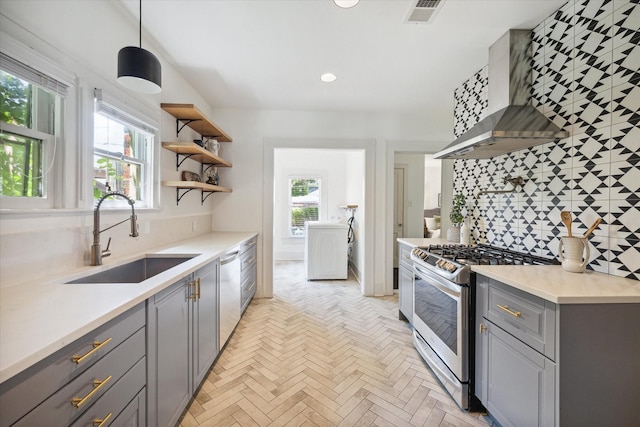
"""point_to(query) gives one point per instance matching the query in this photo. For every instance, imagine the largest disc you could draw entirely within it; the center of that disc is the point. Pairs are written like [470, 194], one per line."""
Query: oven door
[441, 318]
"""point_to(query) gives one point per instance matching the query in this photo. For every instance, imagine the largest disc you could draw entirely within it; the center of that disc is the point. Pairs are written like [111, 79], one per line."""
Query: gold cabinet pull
[192, 293]
[97, 385]
[99, 422]
[97, 345]
[508, 310]
[482, 328]
[198, 293]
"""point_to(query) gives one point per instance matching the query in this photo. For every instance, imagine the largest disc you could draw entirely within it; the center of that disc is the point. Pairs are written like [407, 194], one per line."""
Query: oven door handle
[449, 288]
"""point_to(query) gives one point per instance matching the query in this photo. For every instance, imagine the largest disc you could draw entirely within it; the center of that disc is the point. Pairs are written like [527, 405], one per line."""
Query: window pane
[120, 160]
[20, 166]
[15, 100]
[305, 203]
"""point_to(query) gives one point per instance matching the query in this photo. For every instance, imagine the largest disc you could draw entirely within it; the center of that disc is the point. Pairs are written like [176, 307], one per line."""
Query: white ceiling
[269, 54]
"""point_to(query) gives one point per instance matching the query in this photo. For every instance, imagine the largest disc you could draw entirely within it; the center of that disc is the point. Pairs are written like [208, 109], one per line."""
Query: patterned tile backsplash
[586, 79]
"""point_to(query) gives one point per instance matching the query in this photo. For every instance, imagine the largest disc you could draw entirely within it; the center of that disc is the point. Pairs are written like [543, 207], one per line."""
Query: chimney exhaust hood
[512, 124]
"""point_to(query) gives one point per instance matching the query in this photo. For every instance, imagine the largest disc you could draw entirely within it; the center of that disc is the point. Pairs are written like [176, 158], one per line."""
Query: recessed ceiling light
[346, 4]
[328, 77]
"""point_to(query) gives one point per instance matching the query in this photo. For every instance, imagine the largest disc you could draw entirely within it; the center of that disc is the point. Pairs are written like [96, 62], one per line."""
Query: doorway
[416, 189]
[364, 199]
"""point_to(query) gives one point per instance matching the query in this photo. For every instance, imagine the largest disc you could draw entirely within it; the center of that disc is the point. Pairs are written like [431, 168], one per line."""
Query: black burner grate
[487, 255]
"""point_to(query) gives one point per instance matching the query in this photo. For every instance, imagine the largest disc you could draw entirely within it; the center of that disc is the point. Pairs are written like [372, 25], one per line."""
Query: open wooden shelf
[195, 152]
[197, 185]
[188, 186]
[192, 117]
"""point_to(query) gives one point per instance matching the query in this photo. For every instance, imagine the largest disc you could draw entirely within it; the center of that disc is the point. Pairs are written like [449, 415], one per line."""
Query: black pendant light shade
[139, 70]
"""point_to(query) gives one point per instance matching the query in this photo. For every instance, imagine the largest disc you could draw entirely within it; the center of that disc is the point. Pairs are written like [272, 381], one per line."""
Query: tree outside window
[304, 203]
[27, 114]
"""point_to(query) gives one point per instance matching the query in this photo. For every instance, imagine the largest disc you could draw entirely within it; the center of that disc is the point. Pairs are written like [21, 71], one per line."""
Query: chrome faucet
[96, 252]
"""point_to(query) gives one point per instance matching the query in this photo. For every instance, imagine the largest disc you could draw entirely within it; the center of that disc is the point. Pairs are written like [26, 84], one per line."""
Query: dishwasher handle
[229, 257]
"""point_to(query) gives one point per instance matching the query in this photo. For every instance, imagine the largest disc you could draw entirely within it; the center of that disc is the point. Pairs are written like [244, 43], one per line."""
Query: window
[29, 124]
[304, 203]
[122, 156]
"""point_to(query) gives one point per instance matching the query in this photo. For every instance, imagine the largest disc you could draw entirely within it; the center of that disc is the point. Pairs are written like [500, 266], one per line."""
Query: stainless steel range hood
[511, 124]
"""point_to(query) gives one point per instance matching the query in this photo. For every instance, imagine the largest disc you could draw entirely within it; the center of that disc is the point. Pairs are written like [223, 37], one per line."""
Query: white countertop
[552, 283]
[40, 317]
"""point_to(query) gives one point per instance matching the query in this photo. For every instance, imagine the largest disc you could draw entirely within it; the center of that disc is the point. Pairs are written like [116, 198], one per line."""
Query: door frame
[407, 147]
[367, 284]
[403, 203]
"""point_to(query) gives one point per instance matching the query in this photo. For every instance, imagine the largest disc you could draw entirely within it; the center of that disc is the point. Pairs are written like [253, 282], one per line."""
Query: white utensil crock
[573, 253]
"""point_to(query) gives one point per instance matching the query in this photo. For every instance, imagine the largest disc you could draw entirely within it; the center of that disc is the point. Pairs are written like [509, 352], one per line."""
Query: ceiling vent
[424, 11]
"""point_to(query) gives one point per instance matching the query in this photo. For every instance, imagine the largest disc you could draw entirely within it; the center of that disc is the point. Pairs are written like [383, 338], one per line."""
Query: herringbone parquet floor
[320, 354]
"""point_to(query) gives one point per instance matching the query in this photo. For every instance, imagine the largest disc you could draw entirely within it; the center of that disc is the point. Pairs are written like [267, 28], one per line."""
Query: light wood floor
[320, 354]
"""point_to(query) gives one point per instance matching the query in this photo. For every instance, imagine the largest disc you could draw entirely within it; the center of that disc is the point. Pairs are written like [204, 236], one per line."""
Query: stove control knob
[451, 268]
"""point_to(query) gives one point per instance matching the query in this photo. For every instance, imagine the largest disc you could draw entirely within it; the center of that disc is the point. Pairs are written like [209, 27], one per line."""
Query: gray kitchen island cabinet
[182, 323]
[539, 363]
[405, 283]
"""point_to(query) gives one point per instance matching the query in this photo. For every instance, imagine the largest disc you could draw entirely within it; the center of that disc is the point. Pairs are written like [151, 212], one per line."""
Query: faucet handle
[106, 252]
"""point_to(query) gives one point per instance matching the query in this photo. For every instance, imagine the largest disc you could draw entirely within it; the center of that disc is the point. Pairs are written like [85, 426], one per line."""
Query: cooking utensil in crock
[566, 220]
[593, 227]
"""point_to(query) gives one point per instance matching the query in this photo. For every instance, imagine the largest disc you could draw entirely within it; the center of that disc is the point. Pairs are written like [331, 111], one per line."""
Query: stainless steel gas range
[444, 309]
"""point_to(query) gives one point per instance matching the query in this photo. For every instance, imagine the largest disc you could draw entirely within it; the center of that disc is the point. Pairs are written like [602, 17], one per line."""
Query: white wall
[85, 37]
[331, 167]
[432, 181]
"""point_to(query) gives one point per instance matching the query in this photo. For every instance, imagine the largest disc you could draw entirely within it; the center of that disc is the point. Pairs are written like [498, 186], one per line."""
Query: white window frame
[125, 114]
[290, 178]
[21, 61]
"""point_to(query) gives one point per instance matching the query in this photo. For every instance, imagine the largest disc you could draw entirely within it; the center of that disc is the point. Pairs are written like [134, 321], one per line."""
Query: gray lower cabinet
[520, 381]
[205, 322]
[182, 342]
[94, 378]
[405, 282]
[514, 381]
[545, 364]
[168, 386]
[248, 272]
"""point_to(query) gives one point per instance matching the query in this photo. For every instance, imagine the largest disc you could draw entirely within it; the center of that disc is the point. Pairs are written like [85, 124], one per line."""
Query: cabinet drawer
[117, 398]
[404, 256]
[248, 260]
[28, 389]
[135, 414]
[59, 408]
[249, 286]
[529, 318]
[249, 244]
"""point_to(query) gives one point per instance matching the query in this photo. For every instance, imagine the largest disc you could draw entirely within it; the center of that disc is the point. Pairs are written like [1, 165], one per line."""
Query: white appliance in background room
[325, 250]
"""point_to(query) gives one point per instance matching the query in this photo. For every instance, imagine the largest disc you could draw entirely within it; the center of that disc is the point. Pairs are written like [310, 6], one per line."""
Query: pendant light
[139, 69]
[346, 4]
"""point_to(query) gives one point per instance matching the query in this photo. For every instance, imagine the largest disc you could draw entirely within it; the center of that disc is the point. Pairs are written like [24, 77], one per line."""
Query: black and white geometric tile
[586, 79]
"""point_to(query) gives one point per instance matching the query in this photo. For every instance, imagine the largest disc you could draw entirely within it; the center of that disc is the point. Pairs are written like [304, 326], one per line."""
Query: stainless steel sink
[135, 271]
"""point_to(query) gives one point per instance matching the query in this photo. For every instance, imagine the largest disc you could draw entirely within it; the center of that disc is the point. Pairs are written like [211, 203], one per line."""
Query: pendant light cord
[140, 24]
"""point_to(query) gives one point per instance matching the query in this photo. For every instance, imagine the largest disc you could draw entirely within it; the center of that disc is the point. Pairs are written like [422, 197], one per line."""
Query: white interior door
[398, 210]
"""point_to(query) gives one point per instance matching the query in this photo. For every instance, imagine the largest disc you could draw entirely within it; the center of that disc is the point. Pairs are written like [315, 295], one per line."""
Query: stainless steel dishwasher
[229, 294]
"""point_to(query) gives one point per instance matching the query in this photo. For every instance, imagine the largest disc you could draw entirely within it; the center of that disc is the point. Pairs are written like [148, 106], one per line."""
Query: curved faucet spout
[96, 253]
